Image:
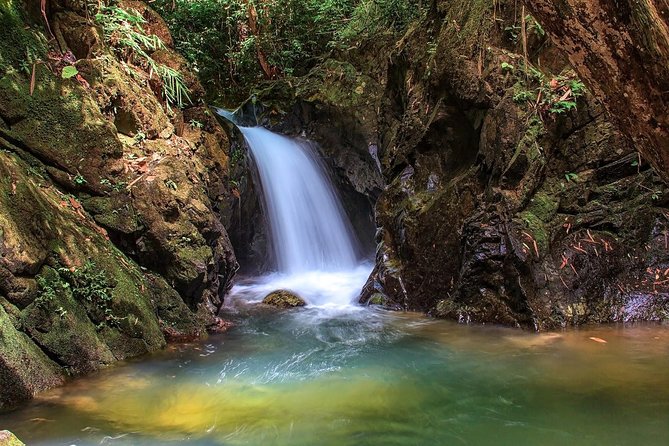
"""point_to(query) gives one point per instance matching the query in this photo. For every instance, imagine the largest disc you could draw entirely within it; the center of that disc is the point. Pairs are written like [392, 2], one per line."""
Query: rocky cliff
[511, 196]
[111, 195]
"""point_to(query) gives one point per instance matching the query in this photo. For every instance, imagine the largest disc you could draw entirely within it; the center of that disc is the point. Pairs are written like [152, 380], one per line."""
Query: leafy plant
[123, 30]
[571, 177]
[139, 138]
[79, 180]
[171, 184]
[69, 72]
[512, 32]
[548, 96]
[507, 67]
[90, 285]
[47, 292]
[534, 26]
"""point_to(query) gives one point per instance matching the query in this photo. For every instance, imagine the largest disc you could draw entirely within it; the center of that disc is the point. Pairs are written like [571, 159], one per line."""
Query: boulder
[283, 299]
[9, 439]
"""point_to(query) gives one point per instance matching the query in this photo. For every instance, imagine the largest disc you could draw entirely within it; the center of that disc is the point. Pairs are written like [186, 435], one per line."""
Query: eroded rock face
[283, 299]
[495, 213]
[111, 204]
[494, 210]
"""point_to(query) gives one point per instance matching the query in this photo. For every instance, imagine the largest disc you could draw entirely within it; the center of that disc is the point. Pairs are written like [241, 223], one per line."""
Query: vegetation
[235, 44]
[549, 96]
[90, 285]
[20, 46]
[123, 30]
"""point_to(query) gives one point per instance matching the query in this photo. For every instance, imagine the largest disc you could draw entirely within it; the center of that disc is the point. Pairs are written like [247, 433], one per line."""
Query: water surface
[352, 376]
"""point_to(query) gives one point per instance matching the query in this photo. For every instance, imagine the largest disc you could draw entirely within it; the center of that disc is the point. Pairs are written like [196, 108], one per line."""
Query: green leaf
[69, 71]
[507, 67]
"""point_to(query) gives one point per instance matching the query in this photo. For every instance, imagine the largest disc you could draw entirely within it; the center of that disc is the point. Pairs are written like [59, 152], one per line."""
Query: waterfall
[309, 228]
[311, 237]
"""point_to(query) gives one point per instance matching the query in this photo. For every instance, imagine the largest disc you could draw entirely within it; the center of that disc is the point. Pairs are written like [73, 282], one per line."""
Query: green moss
[377, 299]
[543, 206]
[20, 47]
[283, 299]
[59, 123]
[114, 212]
[337, 83]
[24, 369]
[537, 229]
[465, 21]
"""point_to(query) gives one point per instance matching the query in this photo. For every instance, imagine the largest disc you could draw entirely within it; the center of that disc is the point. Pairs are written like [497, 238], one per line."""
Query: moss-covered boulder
[25, 370]
[111, 239]
[284, 299]
[9, 439]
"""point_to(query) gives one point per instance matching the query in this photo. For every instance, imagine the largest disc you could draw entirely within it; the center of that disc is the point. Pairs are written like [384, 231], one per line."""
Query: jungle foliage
[235, 44]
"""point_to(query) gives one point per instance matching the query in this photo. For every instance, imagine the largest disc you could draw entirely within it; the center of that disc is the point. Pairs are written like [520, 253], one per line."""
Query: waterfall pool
[354, 376]
[333, 373]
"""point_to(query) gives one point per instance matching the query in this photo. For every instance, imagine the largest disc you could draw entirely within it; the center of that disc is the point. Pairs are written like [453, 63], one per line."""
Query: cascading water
[312, 239]
[308, 224]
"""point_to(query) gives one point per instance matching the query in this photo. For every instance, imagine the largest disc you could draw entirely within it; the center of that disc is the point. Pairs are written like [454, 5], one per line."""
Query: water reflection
[370, 378]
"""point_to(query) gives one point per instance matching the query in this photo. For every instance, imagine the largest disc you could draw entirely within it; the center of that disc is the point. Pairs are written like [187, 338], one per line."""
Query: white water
[311, 237]
[308, 224]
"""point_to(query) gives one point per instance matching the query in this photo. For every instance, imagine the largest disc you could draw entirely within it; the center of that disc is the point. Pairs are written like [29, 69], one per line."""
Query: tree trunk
[620, 49]
[270, 71]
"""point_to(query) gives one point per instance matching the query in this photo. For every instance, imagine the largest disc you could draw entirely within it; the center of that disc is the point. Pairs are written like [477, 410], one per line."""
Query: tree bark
[270, 71]
[620, 49]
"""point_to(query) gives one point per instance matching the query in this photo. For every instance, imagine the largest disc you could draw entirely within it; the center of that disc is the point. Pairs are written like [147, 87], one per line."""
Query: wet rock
[492, 213]
[111, 233]
[283, 299]
[24, 369]
[9, 439]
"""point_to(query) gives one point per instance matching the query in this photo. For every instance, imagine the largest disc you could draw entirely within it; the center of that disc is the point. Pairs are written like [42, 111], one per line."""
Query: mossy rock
[283, 299]
[24, 369]
[20, 45]
[377, 299]
[9, 439]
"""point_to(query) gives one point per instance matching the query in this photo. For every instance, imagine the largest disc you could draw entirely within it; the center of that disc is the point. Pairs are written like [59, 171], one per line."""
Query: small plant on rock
[549, 97]
[123, 30]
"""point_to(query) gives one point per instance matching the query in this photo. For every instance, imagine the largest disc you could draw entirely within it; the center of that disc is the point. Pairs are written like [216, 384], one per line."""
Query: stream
[354, 376]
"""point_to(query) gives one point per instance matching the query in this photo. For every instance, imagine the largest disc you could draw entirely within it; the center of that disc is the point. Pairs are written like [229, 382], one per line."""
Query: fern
[123, 30]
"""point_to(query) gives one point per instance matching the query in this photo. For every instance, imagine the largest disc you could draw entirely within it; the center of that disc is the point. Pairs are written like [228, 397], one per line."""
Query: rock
[283, 299]
[78, 34]
[111, 232]
[492, 212]
[24, 369]
[9, 439]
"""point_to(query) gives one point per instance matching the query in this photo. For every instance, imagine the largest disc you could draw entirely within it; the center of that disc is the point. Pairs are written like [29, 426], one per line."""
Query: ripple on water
[368, 377]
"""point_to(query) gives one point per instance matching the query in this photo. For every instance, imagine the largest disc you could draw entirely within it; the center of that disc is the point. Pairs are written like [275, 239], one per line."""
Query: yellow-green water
[363, 377]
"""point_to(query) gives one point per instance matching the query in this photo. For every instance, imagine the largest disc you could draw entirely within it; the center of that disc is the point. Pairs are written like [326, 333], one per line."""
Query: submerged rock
[9, 439]
[283, 299]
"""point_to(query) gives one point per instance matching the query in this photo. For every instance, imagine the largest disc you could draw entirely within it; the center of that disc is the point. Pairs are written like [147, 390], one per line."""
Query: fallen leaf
[600, 340]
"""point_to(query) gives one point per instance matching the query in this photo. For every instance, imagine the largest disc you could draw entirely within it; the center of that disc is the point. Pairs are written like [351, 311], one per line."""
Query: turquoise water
[352, 376]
